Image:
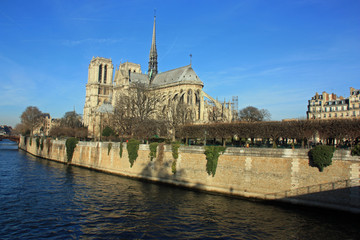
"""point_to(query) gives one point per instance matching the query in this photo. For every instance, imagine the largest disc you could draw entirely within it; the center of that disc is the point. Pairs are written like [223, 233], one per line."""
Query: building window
[105, 73]
[324, 115]
[100, 73]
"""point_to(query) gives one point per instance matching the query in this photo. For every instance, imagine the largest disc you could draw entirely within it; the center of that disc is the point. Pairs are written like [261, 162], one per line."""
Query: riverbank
[268, 174]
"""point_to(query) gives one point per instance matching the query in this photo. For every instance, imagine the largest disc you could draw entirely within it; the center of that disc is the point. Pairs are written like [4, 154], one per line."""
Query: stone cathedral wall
[281, 174]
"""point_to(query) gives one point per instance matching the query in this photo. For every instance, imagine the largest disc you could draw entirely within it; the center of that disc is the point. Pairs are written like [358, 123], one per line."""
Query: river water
[42, 199]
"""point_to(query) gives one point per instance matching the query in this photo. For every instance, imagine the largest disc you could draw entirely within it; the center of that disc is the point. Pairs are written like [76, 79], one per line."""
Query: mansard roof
[180, 75]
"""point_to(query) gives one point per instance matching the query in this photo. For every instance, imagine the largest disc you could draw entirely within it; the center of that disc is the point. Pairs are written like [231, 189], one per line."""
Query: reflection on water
[45, 199]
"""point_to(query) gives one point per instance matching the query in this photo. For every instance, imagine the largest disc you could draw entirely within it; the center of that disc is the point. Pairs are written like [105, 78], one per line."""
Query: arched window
[182, 98]
[105, 73]
[100, 73]
[189, 97]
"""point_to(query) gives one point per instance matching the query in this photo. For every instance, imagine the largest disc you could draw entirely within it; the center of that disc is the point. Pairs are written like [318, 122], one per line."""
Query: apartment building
[330, 106]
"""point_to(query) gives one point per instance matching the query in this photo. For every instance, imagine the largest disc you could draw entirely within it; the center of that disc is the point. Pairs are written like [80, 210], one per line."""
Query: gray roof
[179, 75]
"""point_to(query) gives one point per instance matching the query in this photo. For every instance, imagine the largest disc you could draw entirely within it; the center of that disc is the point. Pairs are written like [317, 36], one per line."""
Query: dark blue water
[41, 199]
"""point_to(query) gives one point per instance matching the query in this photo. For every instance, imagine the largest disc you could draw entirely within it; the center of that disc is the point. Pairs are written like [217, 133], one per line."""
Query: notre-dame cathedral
[180, 85]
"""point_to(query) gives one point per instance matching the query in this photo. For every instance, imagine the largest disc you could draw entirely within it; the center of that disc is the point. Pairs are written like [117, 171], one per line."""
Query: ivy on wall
[175, 149]
[42, 143]
[70, 147]
[153, 146]
[49, 145]
[132, 148]
[37, 140]
[175, 153]
[173, 166]
[321, 156]
[161, 152]
[212, 155]
[121, 148]
[109, 147]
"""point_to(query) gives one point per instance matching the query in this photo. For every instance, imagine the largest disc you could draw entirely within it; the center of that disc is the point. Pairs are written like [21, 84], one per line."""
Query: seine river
[41, 199]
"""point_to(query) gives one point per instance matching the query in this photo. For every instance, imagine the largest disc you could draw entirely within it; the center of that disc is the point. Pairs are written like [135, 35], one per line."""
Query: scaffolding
[235, 107]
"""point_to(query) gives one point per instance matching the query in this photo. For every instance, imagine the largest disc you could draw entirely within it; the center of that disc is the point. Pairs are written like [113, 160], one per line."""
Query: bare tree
[32, 118]
[253, 114]
[71, 119]
[135, 112]
[175, 115]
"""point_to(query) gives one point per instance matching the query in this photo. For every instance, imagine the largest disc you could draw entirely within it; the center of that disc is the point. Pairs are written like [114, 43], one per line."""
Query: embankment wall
[282, 174]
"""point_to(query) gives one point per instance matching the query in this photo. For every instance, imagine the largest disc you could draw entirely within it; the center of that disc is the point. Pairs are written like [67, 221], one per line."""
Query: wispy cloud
[72, 43]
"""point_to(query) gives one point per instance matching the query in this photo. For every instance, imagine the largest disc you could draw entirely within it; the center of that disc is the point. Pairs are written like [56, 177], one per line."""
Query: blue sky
[271, 54]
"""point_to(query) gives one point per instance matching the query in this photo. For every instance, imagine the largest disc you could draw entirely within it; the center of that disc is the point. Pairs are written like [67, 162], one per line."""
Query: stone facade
[330, 106]
[180, 85]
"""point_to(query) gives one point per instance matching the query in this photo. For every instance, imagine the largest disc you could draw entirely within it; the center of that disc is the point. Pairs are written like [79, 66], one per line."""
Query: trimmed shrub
[109, 147]
[356, 150]
[321, 156]
[30, 140]
[153, 147]
[212, 155]
[132, 148]
[70, 147]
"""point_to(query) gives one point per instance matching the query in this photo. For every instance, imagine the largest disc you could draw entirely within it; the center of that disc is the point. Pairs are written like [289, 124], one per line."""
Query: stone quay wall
[274, 174]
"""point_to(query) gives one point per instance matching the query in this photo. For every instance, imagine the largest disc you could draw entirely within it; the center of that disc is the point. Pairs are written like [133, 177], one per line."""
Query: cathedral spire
[153, 70]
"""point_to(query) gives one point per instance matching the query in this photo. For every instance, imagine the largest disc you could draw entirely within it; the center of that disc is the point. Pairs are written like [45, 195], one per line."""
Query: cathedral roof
[178, 75]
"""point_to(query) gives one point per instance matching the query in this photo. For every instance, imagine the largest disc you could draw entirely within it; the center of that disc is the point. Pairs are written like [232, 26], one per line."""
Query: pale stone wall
[258, 173]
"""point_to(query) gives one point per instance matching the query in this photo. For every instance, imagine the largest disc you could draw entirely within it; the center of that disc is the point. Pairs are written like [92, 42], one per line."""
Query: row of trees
[301, 130]
[34, 121]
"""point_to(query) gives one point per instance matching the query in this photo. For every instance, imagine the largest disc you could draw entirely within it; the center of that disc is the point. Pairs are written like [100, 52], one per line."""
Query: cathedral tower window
[100, 73]
[105, 73]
